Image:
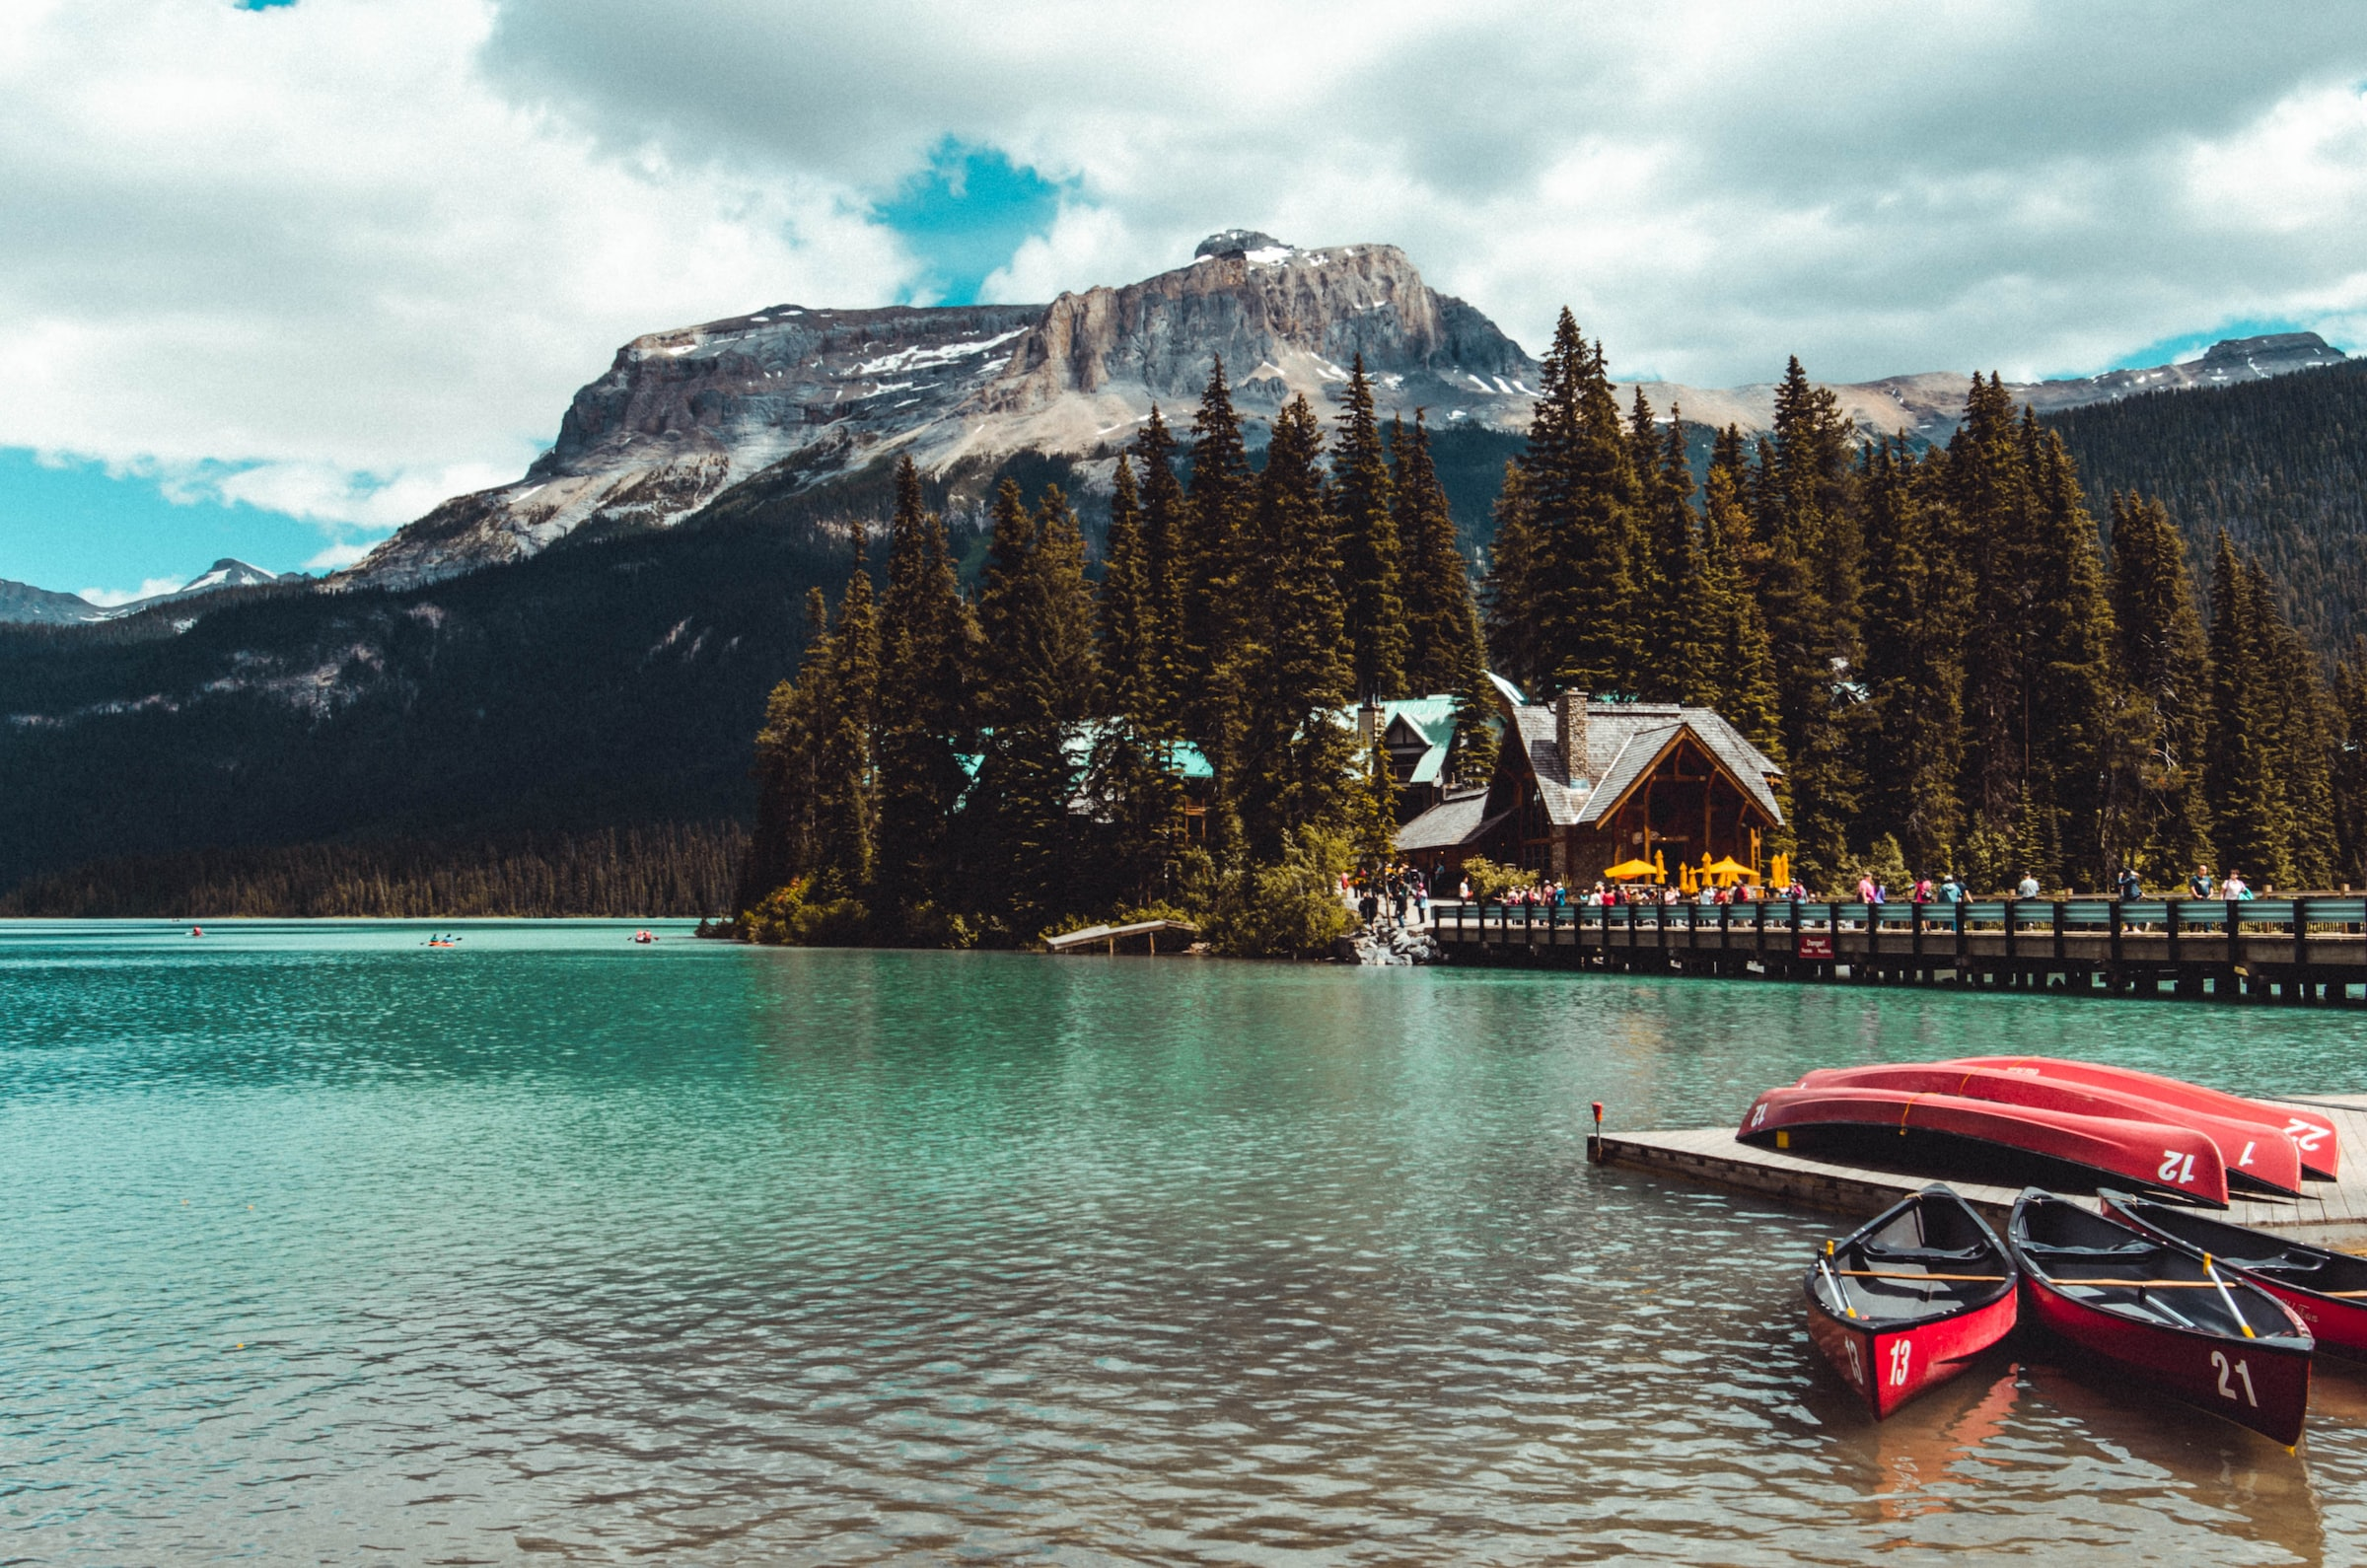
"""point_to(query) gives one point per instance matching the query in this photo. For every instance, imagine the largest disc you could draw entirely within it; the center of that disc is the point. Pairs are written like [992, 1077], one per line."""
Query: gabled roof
[1431, 718]
[1457, 819]
[1623, 739]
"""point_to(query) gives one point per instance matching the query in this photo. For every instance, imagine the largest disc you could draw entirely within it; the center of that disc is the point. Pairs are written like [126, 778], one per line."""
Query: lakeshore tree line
[957, 767]
[1955, 667]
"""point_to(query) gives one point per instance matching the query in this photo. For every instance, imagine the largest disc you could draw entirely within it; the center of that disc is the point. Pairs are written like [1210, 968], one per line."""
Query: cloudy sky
[275, 278]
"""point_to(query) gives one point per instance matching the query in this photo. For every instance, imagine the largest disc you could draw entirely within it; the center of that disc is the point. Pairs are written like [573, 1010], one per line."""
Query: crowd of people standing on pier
[1555, 894]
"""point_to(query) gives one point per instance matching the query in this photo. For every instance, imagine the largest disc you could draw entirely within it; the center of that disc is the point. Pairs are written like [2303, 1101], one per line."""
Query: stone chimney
[1569, 729]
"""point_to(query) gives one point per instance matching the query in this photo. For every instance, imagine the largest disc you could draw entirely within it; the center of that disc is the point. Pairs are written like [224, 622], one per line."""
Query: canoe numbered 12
[2313, 1132]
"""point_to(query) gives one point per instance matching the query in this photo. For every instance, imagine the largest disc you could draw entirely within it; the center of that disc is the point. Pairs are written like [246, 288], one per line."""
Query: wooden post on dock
[2301, 951]
[2235, 952]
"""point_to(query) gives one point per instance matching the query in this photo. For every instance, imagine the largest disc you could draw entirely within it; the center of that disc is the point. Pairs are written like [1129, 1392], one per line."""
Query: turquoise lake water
[317, 1244]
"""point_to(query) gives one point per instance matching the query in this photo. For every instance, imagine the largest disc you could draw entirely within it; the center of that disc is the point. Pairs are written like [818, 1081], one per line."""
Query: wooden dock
[2329, 1214]
[2302, 951]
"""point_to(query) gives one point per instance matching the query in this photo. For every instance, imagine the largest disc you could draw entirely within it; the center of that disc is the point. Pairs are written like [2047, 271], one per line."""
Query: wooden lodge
[1593, 784]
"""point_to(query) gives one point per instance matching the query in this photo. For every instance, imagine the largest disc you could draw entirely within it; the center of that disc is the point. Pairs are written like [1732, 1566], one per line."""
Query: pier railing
[2304, 949]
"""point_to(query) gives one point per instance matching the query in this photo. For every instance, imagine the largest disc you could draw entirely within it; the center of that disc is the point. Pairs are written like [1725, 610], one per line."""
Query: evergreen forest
[2279, 465]
[1960, 660]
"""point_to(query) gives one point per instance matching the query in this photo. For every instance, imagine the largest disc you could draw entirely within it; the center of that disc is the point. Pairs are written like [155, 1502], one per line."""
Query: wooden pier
[2327, 1214]
[2298, 951]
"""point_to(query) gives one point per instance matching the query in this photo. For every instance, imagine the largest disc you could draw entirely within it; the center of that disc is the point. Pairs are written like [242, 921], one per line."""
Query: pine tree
[1295, 754]
[1989, 484]
[816, 785]
[2075, 735]
[928, 639]
[1810, 588]
[1681, 666]
[2248, 810]
[2164, 664]
[1126, 609]
[1516, 634]
[1361, 496]
[1036, 612]
[1913, 606]
[1588, 593]
[2300, 741]
[781, 847]
[1165, 574]
[1444, 654]
[847, 788]
[1739, 654]
[1131, 776]
[1216, 588]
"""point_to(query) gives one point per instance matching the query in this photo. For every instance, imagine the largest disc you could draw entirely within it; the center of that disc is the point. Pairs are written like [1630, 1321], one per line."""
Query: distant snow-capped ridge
[23, 604]
[804, 395]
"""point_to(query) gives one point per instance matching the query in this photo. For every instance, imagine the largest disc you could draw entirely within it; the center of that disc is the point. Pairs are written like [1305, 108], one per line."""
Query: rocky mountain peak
[1237, 242]
[801, 394]
[2285, 349]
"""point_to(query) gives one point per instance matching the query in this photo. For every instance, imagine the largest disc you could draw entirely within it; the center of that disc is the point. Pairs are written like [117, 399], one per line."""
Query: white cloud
[308, 257]
[1876, 185]
[348, 257]
[110, 597]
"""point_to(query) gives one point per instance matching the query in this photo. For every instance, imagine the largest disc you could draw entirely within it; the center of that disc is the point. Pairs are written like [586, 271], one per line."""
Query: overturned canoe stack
[2132, 1129]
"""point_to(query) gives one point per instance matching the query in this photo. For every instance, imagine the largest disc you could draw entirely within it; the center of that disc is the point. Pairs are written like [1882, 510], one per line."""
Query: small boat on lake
[1912, 1298]
[2311, 1131]
[2326, 1290]
[2145, 1154]
[2255, 1153]
[2162, 1311]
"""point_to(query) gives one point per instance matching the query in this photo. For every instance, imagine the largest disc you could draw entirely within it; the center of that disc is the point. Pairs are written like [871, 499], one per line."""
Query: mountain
[793, 401]
[2281, 464]
[228, 572]
[38, 606]
[793, 398]
[25, 604]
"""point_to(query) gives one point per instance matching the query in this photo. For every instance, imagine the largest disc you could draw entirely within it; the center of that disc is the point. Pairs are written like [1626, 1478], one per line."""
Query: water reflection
[321, 1242]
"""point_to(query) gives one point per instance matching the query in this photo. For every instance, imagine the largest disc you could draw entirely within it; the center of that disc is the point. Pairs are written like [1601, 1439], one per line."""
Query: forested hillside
[2281, 464]
[675, 869]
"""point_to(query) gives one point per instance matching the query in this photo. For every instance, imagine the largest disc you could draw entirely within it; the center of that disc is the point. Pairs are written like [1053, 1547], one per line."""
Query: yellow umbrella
[1628, 870]
[1660, 867]
[1727, 870]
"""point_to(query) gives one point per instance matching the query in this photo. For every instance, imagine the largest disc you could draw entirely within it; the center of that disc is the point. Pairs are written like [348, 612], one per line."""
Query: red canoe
[2146, 1153]
[1910, 1299]
[2255, 1152]
[2163, 1312]
[2311, 1130]
[2327, 1291]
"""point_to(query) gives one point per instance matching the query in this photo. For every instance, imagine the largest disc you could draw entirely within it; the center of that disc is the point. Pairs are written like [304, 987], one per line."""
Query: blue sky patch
[966, 213]
[75, 526]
